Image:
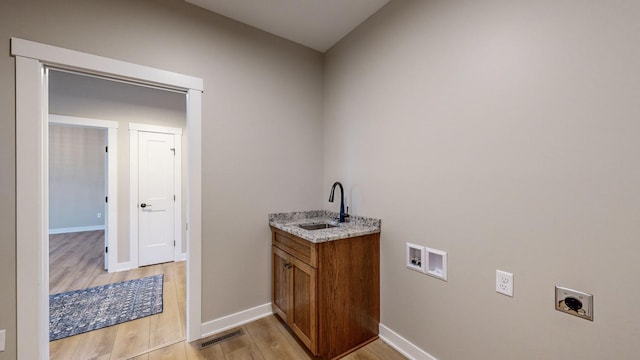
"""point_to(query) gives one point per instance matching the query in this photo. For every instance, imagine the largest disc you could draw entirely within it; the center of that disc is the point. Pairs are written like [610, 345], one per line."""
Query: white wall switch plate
[3, 334]
[504, 283]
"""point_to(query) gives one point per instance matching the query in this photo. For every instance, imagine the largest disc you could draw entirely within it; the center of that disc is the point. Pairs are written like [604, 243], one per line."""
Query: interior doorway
[32, 61]
[74, 266]
[75, 185]
[135, 109]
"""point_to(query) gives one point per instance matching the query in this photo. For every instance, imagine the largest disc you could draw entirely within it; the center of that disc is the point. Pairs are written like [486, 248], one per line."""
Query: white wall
[506, 133]
[76, 177]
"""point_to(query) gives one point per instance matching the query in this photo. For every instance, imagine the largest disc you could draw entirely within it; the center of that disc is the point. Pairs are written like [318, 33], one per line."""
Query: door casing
[32, 248]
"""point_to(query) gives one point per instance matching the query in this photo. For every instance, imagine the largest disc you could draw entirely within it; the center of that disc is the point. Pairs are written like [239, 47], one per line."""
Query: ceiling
[317, 24]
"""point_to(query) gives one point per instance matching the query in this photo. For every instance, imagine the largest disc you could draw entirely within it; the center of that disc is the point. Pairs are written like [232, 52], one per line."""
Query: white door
[156, 156]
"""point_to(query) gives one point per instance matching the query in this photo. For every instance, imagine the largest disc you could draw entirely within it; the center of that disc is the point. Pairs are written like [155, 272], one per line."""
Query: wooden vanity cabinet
[327, 293]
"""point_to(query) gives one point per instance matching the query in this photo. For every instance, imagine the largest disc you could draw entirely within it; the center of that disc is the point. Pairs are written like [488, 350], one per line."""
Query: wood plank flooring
[76, 262]
[263, 339]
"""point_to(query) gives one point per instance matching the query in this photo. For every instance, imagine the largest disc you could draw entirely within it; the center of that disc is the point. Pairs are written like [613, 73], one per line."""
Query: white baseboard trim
[403, 345]
[234, 320]
[125, 266]
[181, 257]
[130, 265]
[75, 229]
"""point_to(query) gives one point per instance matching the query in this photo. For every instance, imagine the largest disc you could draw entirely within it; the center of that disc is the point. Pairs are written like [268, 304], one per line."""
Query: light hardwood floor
[76, 262]
[263, 339]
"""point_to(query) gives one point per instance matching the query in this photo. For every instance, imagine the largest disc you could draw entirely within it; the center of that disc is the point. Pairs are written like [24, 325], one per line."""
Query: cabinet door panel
[304, 316]
[281, 294]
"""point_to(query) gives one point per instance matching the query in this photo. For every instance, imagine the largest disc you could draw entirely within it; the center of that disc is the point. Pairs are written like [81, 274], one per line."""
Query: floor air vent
[210, 342]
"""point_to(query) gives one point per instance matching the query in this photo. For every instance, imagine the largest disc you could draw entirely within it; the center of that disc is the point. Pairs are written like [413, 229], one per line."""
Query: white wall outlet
[574, 302]
[3, 334]
[416, 257]
[504, 283]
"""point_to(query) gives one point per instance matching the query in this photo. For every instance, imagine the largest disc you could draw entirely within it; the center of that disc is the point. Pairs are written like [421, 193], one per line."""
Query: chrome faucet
[342, 213]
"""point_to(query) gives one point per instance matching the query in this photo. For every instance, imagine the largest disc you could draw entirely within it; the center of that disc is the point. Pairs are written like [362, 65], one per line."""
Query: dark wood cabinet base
[328, 293]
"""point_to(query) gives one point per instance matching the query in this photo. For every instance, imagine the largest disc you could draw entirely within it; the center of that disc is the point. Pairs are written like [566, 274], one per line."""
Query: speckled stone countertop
[357, 225]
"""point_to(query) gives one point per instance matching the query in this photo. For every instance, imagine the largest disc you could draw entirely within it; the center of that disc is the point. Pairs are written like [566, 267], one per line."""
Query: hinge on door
[174, 151]
[106, 199]
[174, 243]
[174, 198]
[106, 249]
[106, 149]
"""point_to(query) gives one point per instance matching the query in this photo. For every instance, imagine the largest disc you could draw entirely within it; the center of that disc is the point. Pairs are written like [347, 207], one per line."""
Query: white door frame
[134, 129]
[32, 247]
[111, 218]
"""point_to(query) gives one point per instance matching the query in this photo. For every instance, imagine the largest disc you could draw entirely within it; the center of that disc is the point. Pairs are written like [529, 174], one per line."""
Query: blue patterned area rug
[79, 311]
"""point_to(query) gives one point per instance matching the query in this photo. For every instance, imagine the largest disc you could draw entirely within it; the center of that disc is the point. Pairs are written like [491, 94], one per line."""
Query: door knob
[143, 205]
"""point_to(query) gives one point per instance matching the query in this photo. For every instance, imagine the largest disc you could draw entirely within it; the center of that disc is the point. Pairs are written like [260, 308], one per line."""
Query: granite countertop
[357, 225]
